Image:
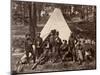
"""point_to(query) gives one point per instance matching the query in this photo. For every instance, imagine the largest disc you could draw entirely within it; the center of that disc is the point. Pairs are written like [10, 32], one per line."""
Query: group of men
[54, 49]
[33, 46]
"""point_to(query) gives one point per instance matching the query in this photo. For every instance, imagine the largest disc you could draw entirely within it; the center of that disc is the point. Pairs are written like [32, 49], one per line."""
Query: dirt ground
[49, 66]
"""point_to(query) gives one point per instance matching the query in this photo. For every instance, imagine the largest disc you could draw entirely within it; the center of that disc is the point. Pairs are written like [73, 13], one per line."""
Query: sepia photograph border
[15, 73]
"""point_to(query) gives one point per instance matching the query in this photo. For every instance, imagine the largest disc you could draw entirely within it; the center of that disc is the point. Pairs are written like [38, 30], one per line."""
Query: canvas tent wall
[56, 21]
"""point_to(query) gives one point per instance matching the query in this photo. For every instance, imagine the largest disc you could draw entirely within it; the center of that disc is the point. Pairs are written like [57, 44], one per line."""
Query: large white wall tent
[56, 21]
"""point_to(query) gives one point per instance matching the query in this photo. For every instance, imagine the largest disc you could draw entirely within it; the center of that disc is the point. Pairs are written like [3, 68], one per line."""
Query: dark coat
[38, 42]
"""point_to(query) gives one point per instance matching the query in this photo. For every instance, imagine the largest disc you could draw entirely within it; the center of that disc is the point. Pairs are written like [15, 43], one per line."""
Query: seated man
[20, 64]
[45, 56]
[46, 52]
[88, 55]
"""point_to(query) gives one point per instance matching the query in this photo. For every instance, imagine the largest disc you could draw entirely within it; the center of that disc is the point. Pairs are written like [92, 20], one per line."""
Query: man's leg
[64, 56]
[33, 56]
[53, 54]
[73, 51]
[27, 56]
[59, 53]
[37, 53]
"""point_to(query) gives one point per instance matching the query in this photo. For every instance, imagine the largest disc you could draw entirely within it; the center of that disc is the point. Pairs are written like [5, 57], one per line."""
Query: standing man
[28, 47]
[57, 46]
[71, 46]
[38, 43]
[52, 45]
[79, 52]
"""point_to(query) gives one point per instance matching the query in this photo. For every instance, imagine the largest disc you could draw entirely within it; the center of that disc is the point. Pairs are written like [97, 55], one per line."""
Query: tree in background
[33, 18]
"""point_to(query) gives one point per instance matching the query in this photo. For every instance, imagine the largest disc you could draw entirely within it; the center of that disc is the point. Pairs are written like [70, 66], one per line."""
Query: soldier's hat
[57, 33]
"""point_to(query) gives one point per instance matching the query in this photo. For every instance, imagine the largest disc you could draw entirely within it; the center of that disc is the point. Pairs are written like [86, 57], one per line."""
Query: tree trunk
[32, 17]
